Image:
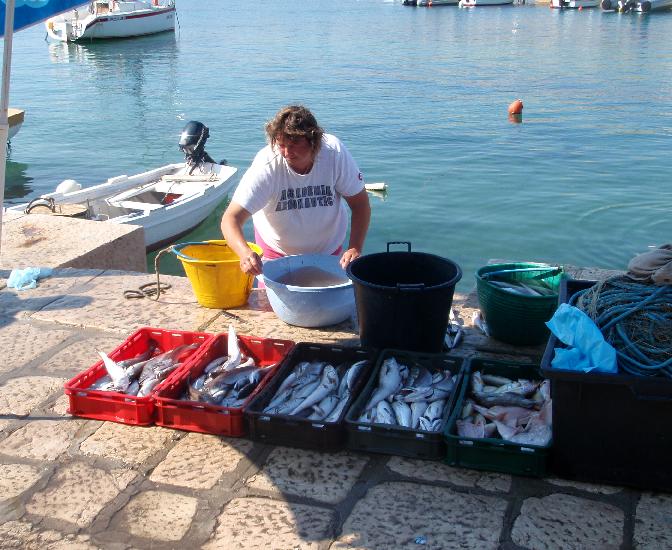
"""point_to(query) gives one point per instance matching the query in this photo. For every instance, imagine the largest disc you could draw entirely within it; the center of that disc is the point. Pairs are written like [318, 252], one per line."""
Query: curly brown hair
[295, 121]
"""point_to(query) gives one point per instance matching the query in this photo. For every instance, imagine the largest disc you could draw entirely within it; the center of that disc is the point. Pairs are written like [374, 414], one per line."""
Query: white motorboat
[474, 3]
[640, 6]
[167, 202]
[574, 4]
[113, 19]
[431, 3]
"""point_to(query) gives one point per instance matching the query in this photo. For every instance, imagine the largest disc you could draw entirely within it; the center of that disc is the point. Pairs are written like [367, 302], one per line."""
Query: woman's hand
[349, 255]
[251, 264]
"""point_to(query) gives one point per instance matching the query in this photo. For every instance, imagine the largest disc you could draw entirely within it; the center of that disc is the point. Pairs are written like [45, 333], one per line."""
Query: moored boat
[574, 4]
[475, 3]
[430, 3]
[113, 19]
[167, 202]
[15, 120]
[639, 6]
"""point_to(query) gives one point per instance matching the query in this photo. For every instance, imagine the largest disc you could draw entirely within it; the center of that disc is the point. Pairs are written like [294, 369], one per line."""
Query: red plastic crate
[119, 407]
[194, 416]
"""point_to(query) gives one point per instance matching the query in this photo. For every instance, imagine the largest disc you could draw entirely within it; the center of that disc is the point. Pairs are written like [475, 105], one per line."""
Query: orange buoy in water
[516, 108]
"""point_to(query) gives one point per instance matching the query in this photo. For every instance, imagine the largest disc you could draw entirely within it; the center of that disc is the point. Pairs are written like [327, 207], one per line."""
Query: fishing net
[636, 319]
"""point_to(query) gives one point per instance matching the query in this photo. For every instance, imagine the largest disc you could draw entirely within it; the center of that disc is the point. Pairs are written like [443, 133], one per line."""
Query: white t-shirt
[301, 213]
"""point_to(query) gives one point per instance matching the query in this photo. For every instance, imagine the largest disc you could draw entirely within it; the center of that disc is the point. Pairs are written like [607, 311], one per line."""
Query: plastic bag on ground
[24, 279]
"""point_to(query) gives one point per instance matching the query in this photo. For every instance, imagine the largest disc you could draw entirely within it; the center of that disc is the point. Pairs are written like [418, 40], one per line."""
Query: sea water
[418, 95]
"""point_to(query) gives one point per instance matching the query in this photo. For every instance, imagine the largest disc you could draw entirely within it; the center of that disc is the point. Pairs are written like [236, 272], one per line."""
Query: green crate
[492, 454]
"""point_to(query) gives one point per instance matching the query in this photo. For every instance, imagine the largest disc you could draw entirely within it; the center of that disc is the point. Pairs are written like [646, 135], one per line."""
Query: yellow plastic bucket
[213, 269]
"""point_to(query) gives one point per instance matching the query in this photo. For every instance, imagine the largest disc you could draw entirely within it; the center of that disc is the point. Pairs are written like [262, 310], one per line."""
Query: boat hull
[476, 3]
[644, 6]
[124, 200]
[574, 4]
[432, 3]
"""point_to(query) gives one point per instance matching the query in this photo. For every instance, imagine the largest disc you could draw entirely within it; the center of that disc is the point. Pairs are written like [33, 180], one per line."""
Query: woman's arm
[359, 225]
[233, 220]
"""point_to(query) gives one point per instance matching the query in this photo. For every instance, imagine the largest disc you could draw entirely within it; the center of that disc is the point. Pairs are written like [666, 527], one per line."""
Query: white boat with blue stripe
[103, 19]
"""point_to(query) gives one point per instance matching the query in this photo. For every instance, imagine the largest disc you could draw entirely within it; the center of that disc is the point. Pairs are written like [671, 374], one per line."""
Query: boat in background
[574, 4]
[475, 3]
[431, 3]
[113, 19]
[168, 202]
[15, 120]
[639, 6]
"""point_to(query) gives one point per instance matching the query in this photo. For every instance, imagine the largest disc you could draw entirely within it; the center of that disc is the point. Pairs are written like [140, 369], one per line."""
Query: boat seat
[134, 205]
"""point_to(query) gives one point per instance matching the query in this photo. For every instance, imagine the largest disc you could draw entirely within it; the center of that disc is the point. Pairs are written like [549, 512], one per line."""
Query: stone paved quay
[73, 483]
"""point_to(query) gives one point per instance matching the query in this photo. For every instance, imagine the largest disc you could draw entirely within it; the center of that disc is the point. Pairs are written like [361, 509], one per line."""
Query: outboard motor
[192, 144]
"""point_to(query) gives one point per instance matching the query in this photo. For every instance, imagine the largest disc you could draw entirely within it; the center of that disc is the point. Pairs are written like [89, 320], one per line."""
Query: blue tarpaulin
[29, 12]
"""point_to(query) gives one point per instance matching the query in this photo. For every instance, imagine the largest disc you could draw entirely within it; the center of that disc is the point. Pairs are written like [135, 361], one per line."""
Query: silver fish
[233, 350]
[216, 362]
[118, 374]
[367, 416]
[151, 347]
[504, 399]
[389, 382]
[434, 411]
[228, 378]
[133, 388]
[478, 321]
[147, 386]
[160, 366]
[494, 380]
[335, 414]
[350, 376]
[418, 408]
[328, 383]
[322, 409]
[384, 413]
[402, 412]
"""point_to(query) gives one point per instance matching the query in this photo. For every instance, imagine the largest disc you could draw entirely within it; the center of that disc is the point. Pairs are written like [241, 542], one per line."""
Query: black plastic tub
[399, 440]
[403, 298]
[609, 428]
[292, 431]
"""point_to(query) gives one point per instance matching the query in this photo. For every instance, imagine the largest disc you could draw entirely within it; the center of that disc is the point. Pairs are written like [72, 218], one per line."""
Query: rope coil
[636, 319]
[152, 290]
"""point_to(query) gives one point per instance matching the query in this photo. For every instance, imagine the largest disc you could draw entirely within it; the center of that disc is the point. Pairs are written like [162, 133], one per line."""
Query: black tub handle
[415, 287]
[407, 243]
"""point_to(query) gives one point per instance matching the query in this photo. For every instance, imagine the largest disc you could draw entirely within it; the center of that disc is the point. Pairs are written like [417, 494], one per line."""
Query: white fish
[389, 382]
[328, 384]
[507, 432]
[434, 410]
[418, 408]
[233, 349]
[367, 416]
[474, 427]
[216, 362]
[402, 413]
[322, 409]
[384, 413]
[348, 380]
[478, 321]
[335, 414]
[117, 374]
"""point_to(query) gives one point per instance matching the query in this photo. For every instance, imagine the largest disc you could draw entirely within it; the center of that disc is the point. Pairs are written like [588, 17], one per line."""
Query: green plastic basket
[489, 453]
[513, 318]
